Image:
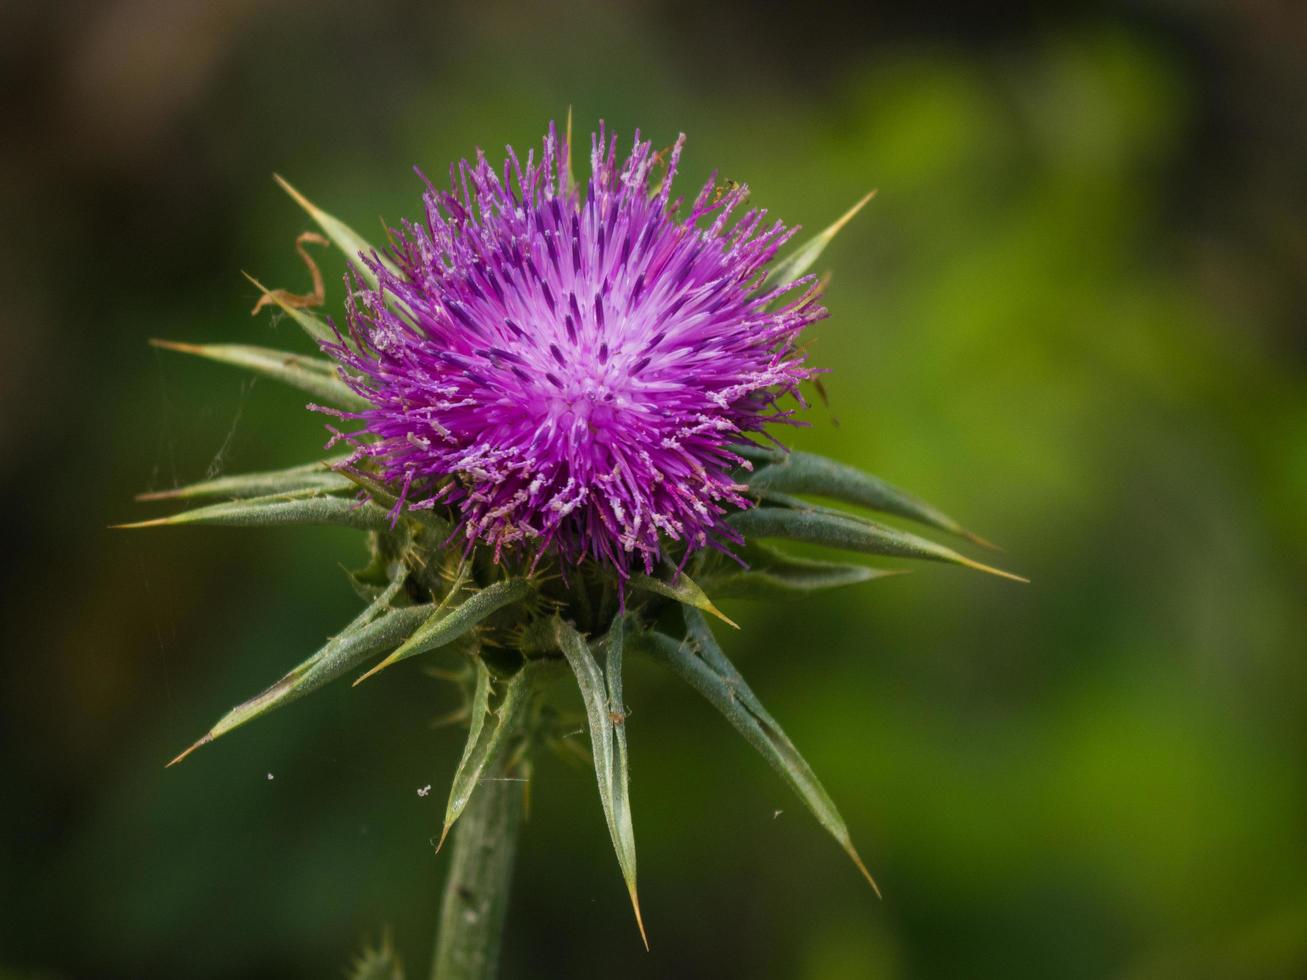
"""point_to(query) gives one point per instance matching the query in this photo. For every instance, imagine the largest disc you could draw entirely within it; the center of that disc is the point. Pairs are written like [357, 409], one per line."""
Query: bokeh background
[1074, 317]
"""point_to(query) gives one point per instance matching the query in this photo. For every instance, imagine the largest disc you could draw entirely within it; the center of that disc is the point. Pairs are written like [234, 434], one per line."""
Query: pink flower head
[568, 372]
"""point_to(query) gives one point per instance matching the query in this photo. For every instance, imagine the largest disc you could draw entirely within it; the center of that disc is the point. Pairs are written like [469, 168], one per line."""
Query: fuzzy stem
[481, 870]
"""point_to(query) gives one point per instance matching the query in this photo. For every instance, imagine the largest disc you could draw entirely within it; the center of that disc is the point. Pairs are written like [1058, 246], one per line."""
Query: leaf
[309, 507]
[317, 328]
[444, 627]
[791, 268]
[700, 662]
[606, 716]
[315, 375]
[467, 772]
[342, 235]
[799, 472]
[683, 589]
[621, 778]
[317, 476]
[342, 653]
[826, 527]
[773, 575]
[484, 744]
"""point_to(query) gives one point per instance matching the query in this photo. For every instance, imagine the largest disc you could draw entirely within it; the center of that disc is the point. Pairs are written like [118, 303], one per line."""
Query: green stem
[481, 870]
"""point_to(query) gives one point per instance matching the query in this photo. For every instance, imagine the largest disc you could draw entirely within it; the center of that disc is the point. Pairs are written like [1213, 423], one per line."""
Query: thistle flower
[580, 376]
[574, 371]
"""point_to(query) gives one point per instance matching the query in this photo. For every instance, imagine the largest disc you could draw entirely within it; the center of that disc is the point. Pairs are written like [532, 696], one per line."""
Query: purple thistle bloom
[569, 373]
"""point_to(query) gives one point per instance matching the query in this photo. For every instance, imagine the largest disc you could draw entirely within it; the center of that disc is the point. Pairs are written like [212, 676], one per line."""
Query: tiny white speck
[271, 777]
[423, 791]
[777, 814]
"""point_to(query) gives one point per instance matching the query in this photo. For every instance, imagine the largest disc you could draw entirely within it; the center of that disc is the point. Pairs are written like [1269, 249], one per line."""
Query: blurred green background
[1073, 318]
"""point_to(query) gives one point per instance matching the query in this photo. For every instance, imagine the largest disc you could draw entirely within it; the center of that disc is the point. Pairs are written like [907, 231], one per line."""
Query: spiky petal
[569, 371]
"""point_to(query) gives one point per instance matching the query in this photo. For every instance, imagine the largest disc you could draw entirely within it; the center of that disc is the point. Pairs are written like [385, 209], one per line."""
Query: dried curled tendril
[299, 301]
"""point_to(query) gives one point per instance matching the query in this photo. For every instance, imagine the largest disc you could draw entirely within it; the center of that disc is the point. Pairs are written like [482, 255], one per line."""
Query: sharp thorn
[176, 345]
[375, 670]
[443, 834]
[981, 567]
[722, 616]
[976, 539]
[639, 919]
[865, 873]
[361, 679]
[156, 522]
[295, 195]
[851, 213]
[208, 737]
